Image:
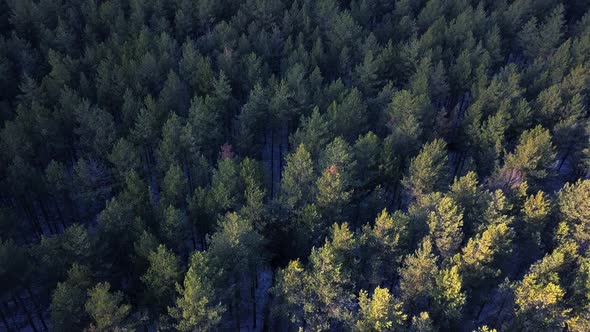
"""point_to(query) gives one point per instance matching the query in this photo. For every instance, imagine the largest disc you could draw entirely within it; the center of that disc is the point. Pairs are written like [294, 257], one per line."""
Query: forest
[303, 165]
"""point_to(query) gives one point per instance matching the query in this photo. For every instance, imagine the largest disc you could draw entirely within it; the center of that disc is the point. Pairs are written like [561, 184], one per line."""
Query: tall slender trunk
[272, 163]
[60, 215]
[7, 308]
[193, 241]
[5, 321]
[253, 294]
[187, 166]
[562, 161]
[36, 307]
[27, 313]
[45, 215]
[237, 299]
[31, 216]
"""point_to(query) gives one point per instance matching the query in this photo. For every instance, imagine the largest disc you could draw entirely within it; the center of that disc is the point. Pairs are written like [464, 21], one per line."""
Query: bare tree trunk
[5, 321]
[253, 294]
[45, 215]
[7, 308]
[563, 159]
[193, 236]
[36, 307]
[237, 299]
[31, 216]
[60, 215]
[272, 164]
[27, 313]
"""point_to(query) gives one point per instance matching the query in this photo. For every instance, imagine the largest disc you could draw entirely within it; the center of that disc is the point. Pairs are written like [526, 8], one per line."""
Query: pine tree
[445, 224]
[574, 210]
[95, 129]
[489, 141]
[174, 95]
[206, 121]
[57, 254]
[405, 114]
[367, 154]
[251, 121]
[382, 312]
[298, 178]
[174, 186]
[237, 250]
[428, 170]
[195, 69]
[539, 296]
[449, 296]
[105, 308]
[290, 289]
[196, 306]
[225, 186]
[422, 323]
[348, 118]
[533, 156]
[313, 133]
[161, 276]
[478, 262]
[68, 299]
[472, 198]
[386, 241]
[367, 74]
[539, 41]
[169, 150]
[124, 157]
[173, 226]
[332, 194]
[537, 210]
[417, 277]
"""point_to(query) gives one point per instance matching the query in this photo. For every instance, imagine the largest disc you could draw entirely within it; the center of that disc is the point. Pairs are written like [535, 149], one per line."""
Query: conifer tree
[428, 170]
[449, 296]
[174, 186]
[298, 178]
[382, 312]
[68, 299]
[417, 277]
[161, 276]
[537, 210]
[196, 306]
[533, 157]
[386, 241]
[446, 224]
[479, 257]
[105, 308]
[539, 296]
[313, 133]
[574, 211]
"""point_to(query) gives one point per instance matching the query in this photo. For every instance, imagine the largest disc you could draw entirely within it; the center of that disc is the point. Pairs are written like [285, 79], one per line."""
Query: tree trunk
[4, 321]
[11, 317]
[27, 313]
[60, 215]
[562, 161]
[253, 294]
[45, 215]
[36, 307]
[32, 218]
[237, 299]
[272, 164]
[193, 236]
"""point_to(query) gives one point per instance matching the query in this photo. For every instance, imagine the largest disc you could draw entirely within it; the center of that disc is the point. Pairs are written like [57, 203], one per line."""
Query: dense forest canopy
[306, 165]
